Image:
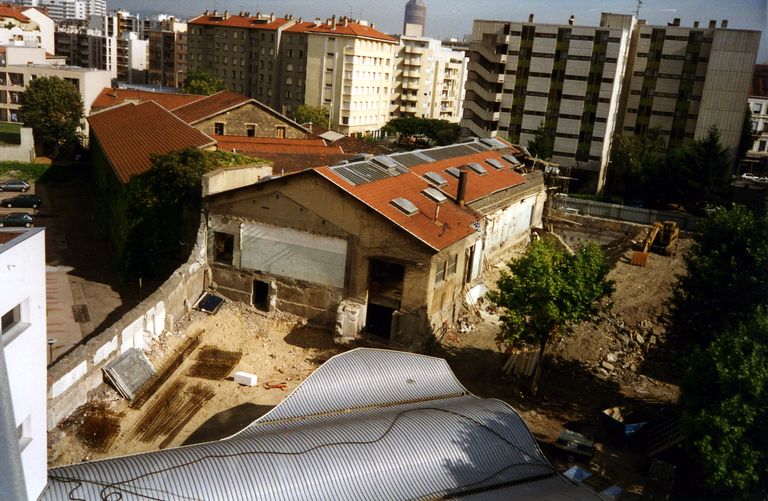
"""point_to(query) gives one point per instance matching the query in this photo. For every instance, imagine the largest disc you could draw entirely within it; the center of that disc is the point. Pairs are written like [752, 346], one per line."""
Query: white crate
[246, 378]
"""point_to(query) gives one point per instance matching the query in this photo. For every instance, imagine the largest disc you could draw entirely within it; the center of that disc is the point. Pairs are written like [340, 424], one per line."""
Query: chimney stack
[676, 21]
[530, 18]
[461, 192]
[571, 20]
[712, 23]
[695, 24]
[724, 23]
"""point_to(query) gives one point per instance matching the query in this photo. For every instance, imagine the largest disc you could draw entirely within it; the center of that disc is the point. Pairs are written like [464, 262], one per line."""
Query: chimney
[724, 23]
[346, 22]
[712, 23]
[695, 24]
[676, 21]
[333, 20]
[301, 20]
[271, 17]
[206, 12]
[571, 20]
[530, 18]
[461, 192]
[373, 26]
[226, 14]
[317, 21]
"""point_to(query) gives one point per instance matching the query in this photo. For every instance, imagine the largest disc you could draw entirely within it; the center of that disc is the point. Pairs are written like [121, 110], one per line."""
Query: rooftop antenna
[637, 8]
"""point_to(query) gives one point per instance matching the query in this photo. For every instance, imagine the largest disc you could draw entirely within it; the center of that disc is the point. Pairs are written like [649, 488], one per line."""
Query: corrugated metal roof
[369, 424]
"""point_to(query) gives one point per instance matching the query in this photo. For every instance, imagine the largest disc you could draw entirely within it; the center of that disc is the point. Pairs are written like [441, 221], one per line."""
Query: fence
[565, 203]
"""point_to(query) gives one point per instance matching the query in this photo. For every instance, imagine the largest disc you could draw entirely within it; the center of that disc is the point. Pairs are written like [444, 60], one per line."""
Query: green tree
[203, 83]
[165, 206]
[704, 171]
[54, 109]
[306, 113]
[547, 289]
[748, 136]
[440, 132]
[543, 143]
[638, 168]
[723, 398]
[726, 275]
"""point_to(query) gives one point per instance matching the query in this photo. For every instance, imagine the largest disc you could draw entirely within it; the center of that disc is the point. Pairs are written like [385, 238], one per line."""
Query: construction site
[617, 365]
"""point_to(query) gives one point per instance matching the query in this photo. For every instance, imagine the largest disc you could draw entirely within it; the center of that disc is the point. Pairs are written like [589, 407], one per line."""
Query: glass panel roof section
[494, 163]
[477, 168]
[405, 206]
[453, 171]
[435, 195]
[435, 178]
[511, 159]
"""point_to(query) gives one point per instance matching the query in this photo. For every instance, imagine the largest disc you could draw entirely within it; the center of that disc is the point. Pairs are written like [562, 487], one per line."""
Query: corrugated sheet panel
[334, 440]
[457, 150]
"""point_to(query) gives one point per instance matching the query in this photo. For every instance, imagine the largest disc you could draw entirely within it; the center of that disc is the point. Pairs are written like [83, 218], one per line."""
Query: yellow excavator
[661, 238]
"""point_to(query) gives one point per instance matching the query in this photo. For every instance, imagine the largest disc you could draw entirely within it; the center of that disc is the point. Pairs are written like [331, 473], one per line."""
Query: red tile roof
[348, 144]
[210, 106]
[13, 12]
[453, 223]
[239, 22]
[350, 29]
[286, 155]
[759, 84]
[129, 134]
[112, 97]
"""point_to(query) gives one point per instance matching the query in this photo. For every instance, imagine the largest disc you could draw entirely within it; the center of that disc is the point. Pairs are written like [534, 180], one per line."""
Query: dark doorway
[261, 295]
[378, 320]
[223, 247]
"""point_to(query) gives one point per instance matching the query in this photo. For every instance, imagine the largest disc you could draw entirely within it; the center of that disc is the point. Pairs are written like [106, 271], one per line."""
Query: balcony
[415, 50]
[484, 92]
[488, 53]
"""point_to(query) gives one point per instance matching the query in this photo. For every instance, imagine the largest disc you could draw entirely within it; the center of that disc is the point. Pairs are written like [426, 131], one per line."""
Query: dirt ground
[618, 359]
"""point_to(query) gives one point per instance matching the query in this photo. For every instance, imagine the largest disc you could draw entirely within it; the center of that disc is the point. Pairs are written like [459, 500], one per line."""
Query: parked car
[17, 219]
[14, 185]
[28, 201]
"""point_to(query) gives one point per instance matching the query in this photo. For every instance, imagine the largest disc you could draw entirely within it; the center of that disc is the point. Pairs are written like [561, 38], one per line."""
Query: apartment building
[564, 77]
[23, 358]
[588, 84]
[87, 48]
[429, 80]
[685, 80]
[21, 65]
[167, 52]
[61, 10]
[758, 106]
[341, 64]
[26, 27]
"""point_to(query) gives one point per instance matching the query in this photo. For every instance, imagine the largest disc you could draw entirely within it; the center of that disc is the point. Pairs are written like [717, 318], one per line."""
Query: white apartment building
[429, 80]
[61, 10]
[26, 27]
[349, 69]
[23, 338]
[21, 65]
[758, 106]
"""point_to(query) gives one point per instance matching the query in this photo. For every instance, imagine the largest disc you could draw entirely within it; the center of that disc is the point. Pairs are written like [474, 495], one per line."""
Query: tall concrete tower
[415, 17]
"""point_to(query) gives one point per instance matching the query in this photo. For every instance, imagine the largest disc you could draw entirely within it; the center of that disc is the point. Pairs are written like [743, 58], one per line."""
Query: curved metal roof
[368, 424]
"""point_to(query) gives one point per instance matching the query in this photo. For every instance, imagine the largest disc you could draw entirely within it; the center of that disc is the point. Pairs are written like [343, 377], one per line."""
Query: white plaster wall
[22, 281]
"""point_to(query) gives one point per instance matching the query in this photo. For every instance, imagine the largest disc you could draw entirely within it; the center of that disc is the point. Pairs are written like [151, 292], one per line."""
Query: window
[10, 318]
[23, 433]
[451, 268]
[250, 130]
[218, 128]
[757, 107]
[223, 247]
[440, 272]
[760, 147]
[280, 131]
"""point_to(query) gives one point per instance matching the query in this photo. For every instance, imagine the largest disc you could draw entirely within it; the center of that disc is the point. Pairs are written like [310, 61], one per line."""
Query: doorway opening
[261, 295]
[378, 320]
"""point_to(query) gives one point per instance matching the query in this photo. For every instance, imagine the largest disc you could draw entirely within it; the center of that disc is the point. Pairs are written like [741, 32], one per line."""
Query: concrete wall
[236, 177]
[265, 123]
[74, 375]
[22, 285]
[24, 152]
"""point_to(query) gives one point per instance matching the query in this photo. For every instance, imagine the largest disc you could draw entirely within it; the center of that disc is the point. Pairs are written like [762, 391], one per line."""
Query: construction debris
[129, 372]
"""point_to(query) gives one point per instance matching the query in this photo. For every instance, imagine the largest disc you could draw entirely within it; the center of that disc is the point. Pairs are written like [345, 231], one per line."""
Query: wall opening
[261, 295]
[223, 247]
[379, 320]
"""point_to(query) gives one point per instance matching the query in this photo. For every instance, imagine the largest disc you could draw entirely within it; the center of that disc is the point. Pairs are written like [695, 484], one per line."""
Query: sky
[453, 18]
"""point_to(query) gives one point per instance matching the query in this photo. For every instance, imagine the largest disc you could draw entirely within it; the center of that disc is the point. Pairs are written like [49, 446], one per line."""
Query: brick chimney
[461, 191]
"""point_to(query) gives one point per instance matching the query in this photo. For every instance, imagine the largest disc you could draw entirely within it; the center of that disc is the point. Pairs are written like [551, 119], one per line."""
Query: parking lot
[83, 292]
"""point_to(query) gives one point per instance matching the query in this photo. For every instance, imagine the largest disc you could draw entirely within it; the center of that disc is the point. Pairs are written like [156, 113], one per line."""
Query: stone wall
[265, 123]
[77, 373]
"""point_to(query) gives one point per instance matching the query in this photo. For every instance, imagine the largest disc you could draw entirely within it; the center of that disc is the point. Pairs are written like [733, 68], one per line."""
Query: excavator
[661, 238]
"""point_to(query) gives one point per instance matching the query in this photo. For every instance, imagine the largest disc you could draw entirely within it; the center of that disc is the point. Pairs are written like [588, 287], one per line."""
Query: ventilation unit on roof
[511, 159]
[453, 171]
[434, 195]
[435, 178]
[405, 206]
[477, 168]
[494, 163]
[493, 143]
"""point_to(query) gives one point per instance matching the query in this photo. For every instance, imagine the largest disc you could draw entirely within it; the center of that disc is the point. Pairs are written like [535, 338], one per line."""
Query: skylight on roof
[494, 163]
[511, 159]
[477, 168]
[434, 195]
[493, 143]
[435, 178]
[385, 161]
[405, 206]
[453, 171]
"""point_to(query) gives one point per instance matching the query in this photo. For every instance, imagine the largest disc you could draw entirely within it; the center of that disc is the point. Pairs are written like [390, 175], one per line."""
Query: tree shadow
[226, 423]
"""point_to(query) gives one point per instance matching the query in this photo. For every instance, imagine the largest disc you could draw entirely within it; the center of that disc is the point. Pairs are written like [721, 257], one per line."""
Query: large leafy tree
[202, 82]
[727, 275]
[54, 109]
[306, 113]
[638, 168]
[547, 289]
[436, 131]
[704, 172]
[543, 143]
[164, 206]
[724, 399]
